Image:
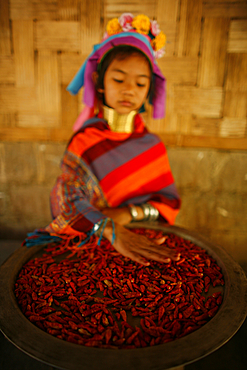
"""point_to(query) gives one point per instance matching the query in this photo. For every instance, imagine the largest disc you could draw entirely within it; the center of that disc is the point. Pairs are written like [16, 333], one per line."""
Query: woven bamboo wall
[44, 42]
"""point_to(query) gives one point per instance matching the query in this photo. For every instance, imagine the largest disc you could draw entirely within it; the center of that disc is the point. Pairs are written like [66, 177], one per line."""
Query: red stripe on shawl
[117, 191]
[99, 149]
[104, 146]
[91, 136]
[81, 142]
[137, 164]
[146, 188]
[94, 141]
[152, 187]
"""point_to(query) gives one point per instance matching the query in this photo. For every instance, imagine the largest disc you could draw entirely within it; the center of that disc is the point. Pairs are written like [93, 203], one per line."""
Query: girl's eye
[141, 85]
[119, 81]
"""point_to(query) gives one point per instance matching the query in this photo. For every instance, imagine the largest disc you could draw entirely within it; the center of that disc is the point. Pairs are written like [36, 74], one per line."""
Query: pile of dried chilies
[96, 297]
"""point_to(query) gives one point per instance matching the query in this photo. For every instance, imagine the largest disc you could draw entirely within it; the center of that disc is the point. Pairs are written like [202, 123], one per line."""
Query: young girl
[114, 170]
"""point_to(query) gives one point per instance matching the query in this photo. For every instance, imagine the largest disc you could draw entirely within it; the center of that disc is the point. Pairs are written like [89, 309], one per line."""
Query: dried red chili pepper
[59, 297]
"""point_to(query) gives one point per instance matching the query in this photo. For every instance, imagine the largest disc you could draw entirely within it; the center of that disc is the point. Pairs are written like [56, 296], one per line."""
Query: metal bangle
[154, 213]
[146, 211]
[150, 212]
[133, 212]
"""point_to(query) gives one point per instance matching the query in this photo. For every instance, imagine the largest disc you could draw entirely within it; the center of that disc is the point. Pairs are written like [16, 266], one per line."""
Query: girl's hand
[138, 247]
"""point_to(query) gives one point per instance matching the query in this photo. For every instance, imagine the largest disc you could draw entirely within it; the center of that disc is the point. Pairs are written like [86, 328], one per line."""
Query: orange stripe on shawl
[166, 211]
[134, 164]
[116, 194]
[81, 143]
[91, 136]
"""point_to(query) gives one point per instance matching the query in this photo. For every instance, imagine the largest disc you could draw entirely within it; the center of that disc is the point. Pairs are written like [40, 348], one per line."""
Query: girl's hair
[119, 52]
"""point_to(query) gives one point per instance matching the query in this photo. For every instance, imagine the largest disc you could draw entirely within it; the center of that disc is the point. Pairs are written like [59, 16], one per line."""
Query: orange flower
[113, 27]
[159, 41]
[141, 23]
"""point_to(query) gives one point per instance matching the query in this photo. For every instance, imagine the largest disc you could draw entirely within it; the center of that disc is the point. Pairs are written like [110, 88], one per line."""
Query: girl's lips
[126, 103]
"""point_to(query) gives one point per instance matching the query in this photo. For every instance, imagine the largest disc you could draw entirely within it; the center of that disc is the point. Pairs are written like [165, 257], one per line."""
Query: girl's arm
[122, 215]
[76, 199]
[74, 214]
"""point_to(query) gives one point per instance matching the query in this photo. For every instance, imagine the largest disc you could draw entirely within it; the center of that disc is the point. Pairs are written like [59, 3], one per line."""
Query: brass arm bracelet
[150, 212]
[133, 212]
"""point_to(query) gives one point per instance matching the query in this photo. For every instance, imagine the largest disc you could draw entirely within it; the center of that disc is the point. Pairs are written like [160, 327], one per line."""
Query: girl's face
[126, 83]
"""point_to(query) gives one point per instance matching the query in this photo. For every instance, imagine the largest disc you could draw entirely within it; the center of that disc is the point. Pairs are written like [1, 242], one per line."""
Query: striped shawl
[102, 168]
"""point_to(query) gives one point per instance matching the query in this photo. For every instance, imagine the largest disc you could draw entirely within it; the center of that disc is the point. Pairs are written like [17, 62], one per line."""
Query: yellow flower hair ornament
[113, 27]
[141, 24]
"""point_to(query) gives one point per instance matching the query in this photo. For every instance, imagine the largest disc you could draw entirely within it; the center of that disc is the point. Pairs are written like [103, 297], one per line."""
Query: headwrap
[138, 32]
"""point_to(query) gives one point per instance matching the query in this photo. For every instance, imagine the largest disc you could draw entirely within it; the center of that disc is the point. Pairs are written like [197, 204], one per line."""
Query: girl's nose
[128, 88]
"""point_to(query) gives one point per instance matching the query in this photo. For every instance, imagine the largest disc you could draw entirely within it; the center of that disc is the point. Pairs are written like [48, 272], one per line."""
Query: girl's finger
[160, 240]
[149, 254]
[136, 257]
[161, 250]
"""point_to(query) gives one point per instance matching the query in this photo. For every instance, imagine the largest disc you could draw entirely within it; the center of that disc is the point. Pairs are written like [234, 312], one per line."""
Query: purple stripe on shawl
[99, 149]
[122, 154]
[170, 192]
[88, 211]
